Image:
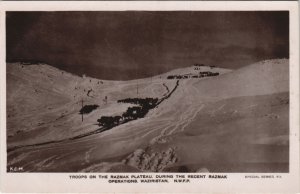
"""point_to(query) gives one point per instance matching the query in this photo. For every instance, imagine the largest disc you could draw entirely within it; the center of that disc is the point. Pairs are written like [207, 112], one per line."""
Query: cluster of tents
[132, 113]
[200, 75]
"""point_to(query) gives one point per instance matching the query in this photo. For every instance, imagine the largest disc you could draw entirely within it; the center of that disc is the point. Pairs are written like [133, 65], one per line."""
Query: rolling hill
[235, 122]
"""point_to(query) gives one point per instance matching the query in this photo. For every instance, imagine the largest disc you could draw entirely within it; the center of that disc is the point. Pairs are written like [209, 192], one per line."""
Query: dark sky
[129, 44]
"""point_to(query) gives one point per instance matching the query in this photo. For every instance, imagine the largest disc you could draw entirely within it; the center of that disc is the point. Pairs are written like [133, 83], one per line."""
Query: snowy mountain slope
[266, 77]
[230, 122]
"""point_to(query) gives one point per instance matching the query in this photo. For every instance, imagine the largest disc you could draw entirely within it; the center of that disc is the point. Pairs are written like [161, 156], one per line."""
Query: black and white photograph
[149, 97]
[147, 91]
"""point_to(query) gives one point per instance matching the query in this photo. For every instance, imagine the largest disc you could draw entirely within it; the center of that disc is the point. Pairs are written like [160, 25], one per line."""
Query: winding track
[89, 133]
[164, 120]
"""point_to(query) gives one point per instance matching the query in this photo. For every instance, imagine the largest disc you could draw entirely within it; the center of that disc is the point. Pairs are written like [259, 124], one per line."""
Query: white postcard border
[236, 182]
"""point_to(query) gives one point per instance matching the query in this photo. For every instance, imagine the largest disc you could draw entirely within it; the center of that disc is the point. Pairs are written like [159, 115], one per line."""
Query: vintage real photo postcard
[149, 97]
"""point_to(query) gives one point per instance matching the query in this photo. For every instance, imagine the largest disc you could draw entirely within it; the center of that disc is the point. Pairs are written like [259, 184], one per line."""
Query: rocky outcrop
[155, 162]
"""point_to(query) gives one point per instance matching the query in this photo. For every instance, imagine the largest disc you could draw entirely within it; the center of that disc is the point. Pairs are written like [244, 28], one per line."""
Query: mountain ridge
[199, 112]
